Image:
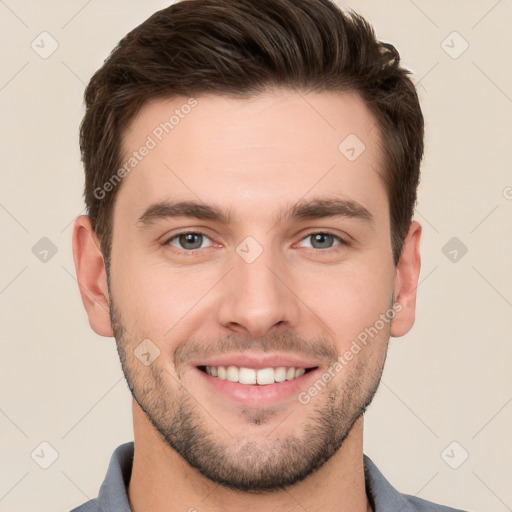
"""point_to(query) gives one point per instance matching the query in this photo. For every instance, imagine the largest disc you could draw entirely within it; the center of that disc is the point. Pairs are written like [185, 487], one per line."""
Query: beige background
[448, 380]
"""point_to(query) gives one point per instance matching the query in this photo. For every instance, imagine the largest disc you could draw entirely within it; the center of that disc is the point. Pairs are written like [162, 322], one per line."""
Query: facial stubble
[246, 465]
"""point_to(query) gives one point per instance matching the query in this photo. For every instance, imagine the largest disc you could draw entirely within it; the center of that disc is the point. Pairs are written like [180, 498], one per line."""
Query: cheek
[157, 300]
[347, 299]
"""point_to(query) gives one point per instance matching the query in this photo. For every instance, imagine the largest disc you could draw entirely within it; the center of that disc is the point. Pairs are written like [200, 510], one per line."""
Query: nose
[257, 298]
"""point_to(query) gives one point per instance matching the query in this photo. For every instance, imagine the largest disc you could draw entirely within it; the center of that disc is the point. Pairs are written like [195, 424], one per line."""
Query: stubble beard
[251, 466]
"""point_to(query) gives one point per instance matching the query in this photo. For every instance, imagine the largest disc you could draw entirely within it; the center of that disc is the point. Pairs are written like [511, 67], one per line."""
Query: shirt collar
[382, 495]
[113, 496]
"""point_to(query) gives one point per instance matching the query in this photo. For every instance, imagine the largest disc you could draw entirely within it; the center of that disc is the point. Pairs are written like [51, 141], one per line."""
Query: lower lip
[255, 395]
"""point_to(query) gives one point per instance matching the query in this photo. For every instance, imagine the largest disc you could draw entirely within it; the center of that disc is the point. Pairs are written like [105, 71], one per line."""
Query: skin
[254, 157]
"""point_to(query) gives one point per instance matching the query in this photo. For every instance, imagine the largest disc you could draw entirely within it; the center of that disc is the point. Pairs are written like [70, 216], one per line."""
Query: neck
[163, 481]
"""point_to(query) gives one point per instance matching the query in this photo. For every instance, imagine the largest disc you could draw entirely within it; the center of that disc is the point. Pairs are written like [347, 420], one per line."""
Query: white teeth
[247, 376]
[262, 376]
[280, 374]
[265, 376]
[232, 373]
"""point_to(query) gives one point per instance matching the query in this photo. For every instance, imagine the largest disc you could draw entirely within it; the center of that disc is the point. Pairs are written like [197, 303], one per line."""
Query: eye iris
[191, 240]
[321, 240]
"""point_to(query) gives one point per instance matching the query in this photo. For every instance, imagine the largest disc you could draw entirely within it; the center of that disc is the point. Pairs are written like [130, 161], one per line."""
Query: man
[251, 174]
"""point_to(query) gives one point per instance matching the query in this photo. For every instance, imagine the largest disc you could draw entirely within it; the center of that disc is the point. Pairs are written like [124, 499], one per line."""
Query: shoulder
[90, 506]
[385, 498]
[421, 505]
[113, 495]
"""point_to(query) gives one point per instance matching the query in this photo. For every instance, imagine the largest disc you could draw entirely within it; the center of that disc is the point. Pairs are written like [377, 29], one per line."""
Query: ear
[406, 283]
[92, 276]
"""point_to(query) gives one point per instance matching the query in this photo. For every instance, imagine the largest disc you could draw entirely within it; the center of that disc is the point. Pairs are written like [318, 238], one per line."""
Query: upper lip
[255, 361]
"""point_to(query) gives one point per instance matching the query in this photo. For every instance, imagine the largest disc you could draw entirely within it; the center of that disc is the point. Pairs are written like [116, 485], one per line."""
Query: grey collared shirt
[383, 497]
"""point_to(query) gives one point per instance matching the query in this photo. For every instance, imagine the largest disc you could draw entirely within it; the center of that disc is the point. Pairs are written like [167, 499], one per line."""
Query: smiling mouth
[253, 376]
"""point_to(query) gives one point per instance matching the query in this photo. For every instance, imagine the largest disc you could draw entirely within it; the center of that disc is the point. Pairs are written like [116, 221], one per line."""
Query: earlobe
[406, 283]
[92, 276]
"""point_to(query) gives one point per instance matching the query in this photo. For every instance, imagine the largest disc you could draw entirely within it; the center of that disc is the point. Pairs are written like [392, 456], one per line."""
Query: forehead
[274, 147]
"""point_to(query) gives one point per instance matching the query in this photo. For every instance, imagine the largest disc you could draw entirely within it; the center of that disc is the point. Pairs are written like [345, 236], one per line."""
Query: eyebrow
[166, 209]
[303, 210]
[323, 208]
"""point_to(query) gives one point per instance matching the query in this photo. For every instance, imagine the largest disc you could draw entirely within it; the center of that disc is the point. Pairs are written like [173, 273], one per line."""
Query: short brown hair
[242, 48]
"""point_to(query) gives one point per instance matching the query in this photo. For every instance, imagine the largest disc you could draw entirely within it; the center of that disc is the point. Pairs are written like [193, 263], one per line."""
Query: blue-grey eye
[189, 241]
[322, 240]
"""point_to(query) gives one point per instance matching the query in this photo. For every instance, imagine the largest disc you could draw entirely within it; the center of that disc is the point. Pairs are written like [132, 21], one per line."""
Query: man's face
[272, 282]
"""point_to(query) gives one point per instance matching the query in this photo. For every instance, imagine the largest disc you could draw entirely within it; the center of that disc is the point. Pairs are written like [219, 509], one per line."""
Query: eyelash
[193, 252]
